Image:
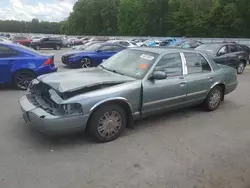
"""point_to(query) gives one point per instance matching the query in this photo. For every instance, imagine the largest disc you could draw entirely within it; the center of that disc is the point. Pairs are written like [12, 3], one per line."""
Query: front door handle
[210, 78]
[183, 82]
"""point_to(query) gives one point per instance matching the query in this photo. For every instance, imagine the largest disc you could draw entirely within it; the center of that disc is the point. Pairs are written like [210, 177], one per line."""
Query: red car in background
[80, 41]
[22, 40]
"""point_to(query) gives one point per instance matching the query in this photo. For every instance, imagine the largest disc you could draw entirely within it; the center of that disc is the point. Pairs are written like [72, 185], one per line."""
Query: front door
[159, 95]
[199, 76]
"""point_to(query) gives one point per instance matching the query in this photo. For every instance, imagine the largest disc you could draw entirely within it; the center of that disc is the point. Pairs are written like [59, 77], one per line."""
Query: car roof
[162, 50]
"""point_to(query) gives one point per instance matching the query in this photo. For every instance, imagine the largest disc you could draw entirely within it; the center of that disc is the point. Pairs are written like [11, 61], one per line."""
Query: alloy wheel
[85, 63]
[23, 79]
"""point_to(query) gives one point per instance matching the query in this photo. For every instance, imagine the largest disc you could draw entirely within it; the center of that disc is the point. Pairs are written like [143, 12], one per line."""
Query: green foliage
[190, 18]
[30, 27]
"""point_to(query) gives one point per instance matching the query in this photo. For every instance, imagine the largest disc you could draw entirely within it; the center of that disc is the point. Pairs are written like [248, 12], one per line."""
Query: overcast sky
[46, 10]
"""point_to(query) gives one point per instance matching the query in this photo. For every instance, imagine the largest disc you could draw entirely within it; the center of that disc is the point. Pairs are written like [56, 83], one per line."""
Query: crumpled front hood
[81, 78]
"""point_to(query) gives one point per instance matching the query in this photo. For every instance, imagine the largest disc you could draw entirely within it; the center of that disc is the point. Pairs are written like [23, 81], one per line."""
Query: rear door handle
[183, 82]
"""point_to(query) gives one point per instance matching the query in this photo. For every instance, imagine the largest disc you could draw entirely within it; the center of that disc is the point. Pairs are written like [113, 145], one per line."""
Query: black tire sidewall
[243, 68]
[58, 47]
[207, 104]
[37, 47]
[93, 123]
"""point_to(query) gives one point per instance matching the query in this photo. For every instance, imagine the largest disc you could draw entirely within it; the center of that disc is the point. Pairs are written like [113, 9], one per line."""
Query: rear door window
[196, 63]
[232, 48]
[7, 52]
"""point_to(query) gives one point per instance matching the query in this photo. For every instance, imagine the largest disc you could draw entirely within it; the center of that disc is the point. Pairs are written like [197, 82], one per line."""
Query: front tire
[107, 123]
[213, 99]
[240, 68]
[85, 63]
[22, 79]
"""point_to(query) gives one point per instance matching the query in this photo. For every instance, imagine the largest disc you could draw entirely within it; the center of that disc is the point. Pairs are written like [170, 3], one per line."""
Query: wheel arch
[23, 69]
[121, 101]
[244, 61]
[220, 84]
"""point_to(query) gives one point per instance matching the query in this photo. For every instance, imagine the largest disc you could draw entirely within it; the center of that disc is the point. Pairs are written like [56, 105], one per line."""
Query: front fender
[122, 99]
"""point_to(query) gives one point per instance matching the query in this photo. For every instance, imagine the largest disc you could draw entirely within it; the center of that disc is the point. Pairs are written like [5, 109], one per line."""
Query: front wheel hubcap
[86, 63]
[109, 124]
[215, 98]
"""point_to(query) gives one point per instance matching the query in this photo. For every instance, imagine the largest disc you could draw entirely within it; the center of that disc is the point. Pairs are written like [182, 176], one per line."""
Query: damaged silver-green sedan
[132, 84]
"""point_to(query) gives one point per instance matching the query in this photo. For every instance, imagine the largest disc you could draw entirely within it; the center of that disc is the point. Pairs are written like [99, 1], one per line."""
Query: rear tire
[37, 47]
[107, 123]
[58, 47]
[22, 79]
[213, 99]
[240, 68]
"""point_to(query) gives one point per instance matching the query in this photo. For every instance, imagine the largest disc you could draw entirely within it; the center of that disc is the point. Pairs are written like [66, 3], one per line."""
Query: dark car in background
[91, 56]
[22, 40]
[48, 42]
[227, 54]
[245, 48]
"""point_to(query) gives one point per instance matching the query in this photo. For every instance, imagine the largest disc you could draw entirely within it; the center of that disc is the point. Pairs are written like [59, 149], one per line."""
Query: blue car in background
[19, 64]
[92, 55]
[168, 42]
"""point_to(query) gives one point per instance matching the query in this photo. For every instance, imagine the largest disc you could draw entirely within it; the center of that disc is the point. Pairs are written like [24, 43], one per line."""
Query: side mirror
[158, 75]
[98, 51]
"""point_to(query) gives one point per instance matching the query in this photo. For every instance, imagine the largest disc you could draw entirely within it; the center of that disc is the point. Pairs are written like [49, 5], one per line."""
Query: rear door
[6, 55]
[108, 50]
[199, 76]
[222, 55]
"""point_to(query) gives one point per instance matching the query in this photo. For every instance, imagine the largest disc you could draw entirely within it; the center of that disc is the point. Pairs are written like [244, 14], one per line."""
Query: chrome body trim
[197, 93]
[163, 100]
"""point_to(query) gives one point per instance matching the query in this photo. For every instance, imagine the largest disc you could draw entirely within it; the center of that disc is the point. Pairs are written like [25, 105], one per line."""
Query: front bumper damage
[51, 124]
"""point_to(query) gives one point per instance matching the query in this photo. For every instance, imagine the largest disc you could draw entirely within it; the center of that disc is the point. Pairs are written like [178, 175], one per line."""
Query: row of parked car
[94, 53]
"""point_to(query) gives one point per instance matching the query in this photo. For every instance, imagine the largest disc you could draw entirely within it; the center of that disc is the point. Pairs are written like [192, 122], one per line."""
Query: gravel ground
[186, 149]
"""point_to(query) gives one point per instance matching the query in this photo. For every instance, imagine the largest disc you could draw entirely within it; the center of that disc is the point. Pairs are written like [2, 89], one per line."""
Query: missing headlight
[72, 109]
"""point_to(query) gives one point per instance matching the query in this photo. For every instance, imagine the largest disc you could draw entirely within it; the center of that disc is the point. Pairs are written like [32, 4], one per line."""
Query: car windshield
[132, 63]
[210, 48]
[93, 47]
[133, 43]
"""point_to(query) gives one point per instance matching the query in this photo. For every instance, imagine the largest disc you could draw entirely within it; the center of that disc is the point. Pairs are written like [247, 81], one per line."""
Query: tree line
[35, 26]
[189, 18]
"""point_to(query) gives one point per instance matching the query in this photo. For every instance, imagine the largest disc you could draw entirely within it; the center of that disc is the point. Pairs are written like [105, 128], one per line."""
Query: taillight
[48, 62]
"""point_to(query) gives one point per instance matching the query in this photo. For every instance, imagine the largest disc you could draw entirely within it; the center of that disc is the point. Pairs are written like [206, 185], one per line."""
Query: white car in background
[4, 39]
[125, 43]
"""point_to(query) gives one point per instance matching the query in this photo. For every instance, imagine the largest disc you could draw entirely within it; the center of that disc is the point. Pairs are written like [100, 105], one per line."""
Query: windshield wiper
[114, 71]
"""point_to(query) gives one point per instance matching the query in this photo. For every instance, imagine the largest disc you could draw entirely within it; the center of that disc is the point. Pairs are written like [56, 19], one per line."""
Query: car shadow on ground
[71, 141]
